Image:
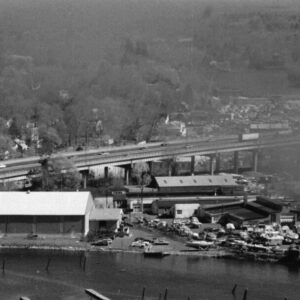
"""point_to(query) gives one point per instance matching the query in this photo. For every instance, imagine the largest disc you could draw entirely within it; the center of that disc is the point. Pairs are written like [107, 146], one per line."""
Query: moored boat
[199, 244]
[161, 242]
[157, 254]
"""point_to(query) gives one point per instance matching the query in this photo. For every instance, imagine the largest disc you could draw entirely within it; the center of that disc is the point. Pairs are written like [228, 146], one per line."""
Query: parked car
[102, 242]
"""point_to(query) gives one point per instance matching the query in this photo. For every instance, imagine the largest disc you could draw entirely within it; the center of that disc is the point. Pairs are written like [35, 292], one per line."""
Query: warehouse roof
[193, 181]
[239, 212]
[45, 203]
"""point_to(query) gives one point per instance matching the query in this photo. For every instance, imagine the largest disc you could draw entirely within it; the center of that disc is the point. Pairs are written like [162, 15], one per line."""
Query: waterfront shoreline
[177, 246]
[81, 250]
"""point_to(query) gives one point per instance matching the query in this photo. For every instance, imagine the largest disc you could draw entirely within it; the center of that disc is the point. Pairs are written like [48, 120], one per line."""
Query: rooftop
[193, 181]
[108, 214]
[45, 203]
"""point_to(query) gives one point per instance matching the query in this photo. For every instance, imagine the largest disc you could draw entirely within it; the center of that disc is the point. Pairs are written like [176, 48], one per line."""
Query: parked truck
[248, 137]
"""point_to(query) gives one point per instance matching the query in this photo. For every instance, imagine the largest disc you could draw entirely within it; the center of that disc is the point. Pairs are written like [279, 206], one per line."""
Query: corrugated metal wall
[19, 224]
[42, 224]
[73, 224]
[48, 224]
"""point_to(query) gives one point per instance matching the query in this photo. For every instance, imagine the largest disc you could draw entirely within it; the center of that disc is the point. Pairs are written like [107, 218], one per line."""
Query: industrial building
[58, 213]
[262, 210]
[164, 192]
[166, 206]
[105, 220]
[221, 185]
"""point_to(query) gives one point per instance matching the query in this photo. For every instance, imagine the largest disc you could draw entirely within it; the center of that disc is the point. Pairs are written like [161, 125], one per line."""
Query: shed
[182, 211]
[45, 212]
[106, 220]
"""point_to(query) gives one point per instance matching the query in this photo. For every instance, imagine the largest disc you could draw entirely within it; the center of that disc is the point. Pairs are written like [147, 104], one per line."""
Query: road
[124, 155]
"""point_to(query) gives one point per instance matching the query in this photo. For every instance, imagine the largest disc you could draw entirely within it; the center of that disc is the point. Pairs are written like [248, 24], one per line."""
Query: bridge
[126, 155]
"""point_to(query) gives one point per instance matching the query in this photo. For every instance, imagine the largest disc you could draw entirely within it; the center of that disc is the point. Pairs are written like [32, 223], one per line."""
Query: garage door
[73, 224]
[19, 224]
[48, 224]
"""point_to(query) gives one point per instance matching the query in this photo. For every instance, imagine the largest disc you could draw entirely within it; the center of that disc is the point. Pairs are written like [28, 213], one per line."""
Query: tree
[293, 75]
[59, 173]
[140, 171]
[5, 145]
[48, 140]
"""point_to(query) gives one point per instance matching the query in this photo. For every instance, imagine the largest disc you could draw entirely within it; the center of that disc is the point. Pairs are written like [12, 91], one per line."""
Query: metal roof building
[107, 214]
[45, 212]
[45, 203]
[202, 185]
[107, 219]
[195, 181]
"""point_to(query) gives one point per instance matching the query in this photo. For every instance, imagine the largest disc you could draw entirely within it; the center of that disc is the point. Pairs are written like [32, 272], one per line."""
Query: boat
[161, 242]
[273, 239]
[102, 242]
[199, 244]
[291, 256]
[157, 254]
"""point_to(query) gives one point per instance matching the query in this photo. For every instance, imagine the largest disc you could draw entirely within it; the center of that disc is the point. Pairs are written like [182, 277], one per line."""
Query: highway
[124, 155]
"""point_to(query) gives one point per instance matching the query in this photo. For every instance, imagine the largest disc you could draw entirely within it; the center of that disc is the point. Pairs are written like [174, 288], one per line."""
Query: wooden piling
[166, 294]
[48, 264]
[159, 296]
[245, 294]
[80, 260]
[233, 290]
[84, 263]
[143, 293]
[3, 266]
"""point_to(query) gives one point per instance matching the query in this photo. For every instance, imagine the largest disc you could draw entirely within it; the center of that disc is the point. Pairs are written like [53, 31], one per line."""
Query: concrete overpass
[126, 155]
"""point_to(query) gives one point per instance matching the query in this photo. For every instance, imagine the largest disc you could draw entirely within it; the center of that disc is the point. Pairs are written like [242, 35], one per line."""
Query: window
[179, 212]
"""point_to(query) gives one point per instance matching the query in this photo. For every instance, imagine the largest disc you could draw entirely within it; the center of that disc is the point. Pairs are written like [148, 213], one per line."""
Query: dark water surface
[123, 275]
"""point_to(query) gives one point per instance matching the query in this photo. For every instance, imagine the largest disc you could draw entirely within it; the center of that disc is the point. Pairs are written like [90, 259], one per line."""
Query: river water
[123, 276]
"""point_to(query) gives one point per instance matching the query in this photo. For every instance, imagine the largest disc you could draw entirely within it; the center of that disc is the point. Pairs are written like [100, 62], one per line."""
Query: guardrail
[84, 160]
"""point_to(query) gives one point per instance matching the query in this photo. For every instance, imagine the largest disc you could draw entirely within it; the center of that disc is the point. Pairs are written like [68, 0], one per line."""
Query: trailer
[270, 126]
[249, 137]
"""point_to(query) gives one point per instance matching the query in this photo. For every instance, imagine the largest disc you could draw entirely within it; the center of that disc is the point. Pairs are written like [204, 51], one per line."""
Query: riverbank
[176, 246]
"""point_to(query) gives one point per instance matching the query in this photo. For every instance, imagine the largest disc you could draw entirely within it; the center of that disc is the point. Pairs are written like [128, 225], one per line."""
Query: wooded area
[75, 72]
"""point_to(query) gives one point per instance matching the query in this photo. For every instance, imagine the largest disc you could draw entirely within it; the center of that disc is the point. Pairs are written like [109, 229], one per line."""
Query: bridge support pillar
[150, 164]
[214, 163]
[172, 167]
[127, 174]
[192, 164]
[218, 162]
[236, 162]
[105, 172]
[254, 160]
[84, 174]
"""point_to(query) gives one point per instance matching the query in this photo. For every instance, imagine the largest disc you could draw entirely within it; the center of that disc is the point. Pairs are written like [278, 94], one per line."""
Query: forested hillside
[74, 72]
